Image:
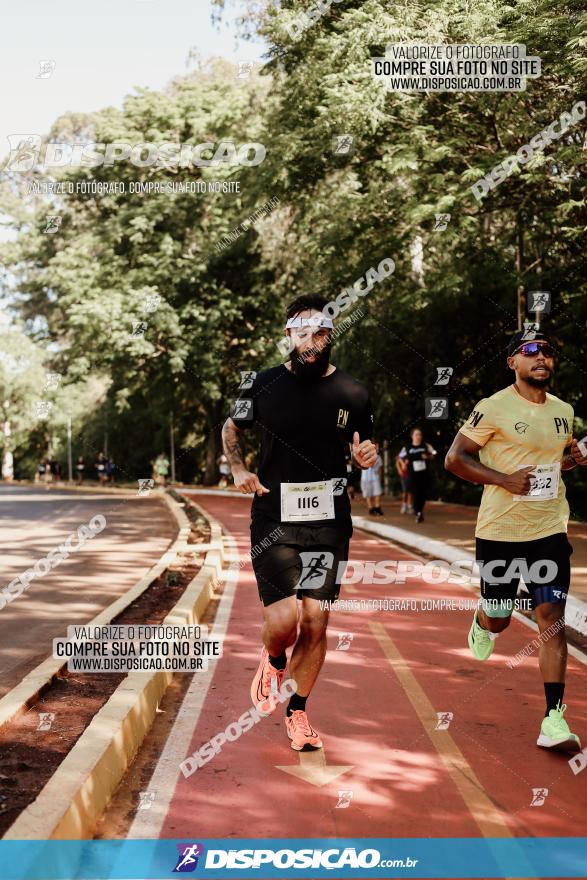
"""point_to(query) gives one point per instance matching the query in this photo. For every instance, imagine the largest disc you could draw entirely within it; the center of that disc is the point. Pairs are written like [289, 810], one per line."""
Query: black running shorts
[547, 562]
[302, 561]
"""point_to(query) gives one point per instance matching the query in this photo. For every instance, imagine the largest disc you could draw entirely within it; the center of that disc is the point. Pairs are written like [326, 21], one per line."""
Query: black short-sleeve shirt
[305, 430]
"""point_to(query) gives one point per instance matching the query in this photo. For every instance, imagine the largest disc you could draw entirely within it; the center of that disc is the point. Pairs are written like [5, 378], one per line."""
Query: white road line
[148, 823]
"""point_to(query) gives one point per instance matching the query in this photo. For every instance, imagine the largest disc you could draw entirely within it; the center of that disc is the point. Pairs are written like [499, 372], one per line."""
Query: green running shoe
[556, 734]
[480, 641]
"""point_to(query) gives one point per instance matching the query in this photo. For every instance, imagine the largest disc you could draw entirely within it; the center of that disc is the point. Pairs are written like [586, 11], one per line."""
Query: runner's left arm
[572, 457]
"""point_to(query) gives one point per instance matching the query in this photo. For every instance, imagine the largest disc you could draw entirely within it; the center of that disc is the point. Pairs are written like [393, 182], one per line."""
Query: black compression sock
[296, 702]
[279, 662]
[554, 692]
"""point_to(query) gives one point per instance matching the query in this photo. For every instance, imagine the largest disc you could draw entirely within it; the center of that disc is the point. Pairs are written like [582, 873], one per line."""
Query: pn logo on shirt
[343, 417]
[475, 418]
[561, 423]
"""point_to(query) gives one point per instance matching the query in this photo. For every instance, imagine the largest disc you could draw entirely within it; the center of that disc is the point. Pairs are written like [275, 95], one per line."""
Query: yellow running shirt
[515, 433]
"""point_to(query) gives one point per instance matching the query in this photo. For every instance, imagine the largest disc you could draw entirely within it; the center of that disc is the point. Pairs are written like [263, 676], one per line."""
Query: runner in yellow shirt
[516, 443]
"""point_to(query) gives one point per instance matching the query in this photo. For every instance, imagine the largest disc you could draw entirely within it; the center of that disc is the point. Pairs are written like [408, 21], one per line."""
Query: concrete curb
[72, 801]
[73, 487]
[575, 610]
[20, 697]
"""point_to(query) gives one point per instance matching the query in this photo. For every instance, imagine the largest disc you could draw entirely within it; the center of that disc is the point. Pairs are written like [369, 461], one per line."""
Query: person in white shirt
[371, 485]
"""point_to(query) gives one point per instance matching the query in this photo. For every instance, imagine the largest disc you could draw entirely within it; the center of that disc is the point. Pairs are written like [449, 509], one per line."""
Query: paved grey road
[34, 521]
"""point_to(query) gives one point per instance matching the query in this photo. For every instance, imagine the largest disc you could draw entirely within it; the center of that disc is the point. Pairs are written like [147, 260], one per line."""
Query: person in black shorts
[418, 454]
[309, 413]
[517, 443]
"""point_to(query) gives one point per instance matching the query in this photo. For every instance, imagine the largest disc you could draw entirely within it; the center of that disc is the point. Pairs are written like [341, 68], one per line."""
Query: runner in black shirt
[308, 412]
[418, 454]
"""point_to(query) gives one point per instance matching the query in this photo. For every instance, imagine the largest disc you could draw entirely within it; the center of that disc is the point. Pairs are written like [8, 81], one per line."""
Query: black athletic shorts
[547, 562]
[302, 560]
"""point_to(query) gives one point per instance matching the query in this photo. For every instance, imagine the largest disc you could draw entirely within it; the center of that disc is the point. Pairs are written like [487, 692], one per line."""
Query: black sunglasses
[531, 349]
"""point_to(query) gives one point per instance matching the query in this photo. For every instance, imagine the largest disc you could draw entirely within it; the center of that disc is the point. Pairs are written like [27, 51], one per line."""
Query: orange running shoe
[301, 733]
[266, 685]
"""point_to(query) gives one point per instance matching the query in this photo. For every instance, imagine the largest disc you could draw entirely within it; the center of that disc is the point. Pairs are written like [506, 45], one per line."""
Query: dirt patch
[121, 812]
[29, 754]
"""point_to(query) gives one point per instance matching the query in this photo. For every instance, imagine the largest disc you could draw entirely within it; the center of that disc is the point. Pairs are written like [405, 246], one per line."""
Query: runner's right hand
[519, 483]
[247, 483]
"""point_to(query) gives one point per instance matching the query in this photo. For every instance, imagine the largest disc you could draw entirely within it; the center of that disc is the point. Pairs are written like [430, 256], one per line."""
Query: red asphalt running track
[375, 706]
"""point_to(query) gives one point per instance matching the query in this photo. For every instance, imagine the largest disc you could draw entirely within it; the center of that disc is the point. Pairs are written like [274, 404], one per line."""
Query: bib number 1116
[307, 501]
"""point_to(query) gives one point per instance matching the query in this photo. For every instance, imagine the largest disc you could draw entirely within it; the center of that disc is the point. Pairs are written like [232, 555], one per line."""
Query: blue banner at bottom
[285, 858]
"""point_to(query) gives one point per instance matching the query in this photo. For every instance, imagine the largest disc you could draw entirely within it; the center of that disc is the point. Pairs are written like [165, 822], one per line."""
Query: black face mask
[310, 371]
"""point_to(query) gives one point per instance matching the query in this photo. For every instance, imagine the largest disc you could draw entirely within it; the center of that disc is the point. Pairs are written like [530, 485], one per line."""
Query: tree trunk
[213, 445]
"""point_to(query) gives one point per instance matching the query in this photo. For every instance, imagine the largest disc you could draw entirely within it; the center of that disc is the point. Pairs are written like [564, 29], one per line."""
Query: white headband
[313, 321]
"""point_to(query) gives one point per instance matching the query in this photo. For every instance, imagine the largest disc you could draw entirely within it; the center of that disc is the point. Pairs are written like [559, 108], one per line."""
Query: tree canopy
[355, 173]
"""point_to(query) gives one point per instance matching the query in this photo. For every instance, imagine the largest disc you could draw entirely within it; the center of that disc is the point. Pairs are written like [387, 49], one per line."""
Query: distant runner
[309, 411]
[516, 443]
[160, 469]
[417, 454]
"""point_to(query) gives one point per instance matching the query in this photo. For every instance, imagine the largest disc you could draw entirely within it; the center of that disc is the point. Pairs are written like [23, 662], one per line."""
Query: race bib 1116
[302, 502]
